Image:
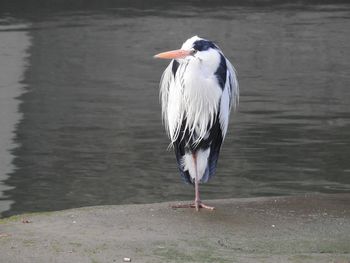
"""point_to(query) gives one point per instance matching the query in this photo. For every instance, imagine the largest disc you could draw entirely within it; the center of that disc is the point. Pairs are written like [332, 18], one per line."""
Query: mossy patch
[76, 244]
[11, 219]
[174, 253]
[18, 218]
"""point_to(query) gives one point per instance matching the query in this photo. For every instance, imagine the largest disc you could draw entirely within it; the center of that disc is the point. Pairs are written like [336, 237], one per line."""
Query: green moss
[173, 253]
[11, 219]
[300, 258]
[94, 260]
[56, 247]
[18, 218]
[96, 249]
[28, 242]
[76, 244]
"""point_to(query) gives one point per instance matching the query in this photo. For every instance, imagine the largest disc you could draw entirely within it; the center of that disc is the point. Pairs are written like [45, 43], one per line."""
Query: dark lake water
[80, 120]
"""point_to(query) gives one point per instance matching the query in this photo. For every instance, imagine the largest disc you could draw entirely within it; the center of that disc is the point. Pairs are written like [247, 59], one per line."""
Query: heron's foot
[197, 205]
[182, 206]
[201, 205]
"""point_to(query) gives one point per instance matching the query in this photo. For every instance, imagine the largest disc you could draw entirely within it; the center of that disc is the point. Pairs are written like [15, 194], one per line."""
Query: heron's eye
[193, 51]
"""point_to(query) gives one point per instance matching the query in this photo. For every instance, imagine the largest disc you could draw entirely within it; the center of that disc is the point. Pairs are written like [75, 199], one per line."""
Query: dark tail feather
[215, 145]
[180, 150]
[184, 174]
[184, 143]
[212, 164]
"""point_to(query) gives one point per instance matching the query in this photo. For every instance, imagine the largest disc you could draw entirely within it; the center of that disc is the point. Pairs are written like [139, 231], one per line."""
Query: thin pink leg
[197, 201]
[196, 184]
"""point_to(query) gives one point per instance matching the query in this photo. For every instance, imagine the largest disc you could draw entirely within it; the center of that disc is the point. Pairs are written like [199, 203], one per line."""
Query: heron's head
[195, 49]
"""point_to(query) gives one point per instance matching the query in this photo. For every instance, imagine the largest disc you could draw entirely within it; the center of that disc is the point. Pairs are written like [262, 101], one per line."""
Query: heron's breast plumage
[194, 96]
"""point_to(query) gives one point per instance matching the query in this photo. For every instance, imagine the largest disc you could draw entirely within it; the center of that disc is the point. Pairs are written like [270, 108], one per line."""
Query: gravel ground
[308, 228]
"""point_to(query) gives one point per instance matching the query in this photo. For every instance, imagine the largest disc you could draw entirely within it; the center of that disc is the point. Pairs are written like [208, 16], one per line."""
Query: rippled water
[87, 130]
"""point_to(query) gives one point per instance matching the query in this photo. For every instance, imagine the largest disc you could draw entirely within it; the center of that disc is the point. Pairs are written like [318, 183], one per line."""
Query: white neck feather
[194, 96]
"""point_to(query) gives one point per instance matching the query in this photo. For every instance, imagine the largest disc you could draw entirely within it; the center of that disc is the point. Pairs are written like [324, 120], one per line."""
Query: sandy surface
[311, 228]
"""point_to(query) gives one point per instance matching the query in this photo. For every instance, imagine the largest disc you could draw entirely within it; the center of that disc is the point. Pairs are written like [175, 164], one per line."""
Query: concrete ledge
[309, 228]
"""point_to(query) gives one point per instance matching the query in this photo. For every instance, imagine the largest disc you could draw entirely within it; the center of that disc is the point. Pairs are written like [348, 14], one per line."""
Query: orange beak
[174, 54]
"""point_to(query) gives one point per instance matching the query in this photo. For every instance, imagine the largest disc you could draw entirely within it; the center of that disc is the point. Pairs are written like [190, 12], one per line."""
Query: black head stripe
[202, 45]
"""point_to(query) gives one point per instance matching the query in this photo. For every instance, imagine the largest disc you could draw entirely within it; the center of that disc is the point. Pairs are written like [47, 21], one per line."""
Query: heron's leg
[193, 205]
[197, 201]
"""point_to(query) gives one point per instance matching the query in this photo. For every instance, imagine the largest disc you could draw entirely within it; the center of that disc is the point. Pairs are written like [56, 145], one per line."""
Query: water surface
[13, 55]
[90, 131]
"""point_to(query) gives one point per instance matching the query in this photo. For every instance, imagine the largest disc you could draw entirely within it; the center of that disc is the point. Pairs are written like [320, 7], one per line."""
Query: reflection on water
[91, 131]
[13, 45]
